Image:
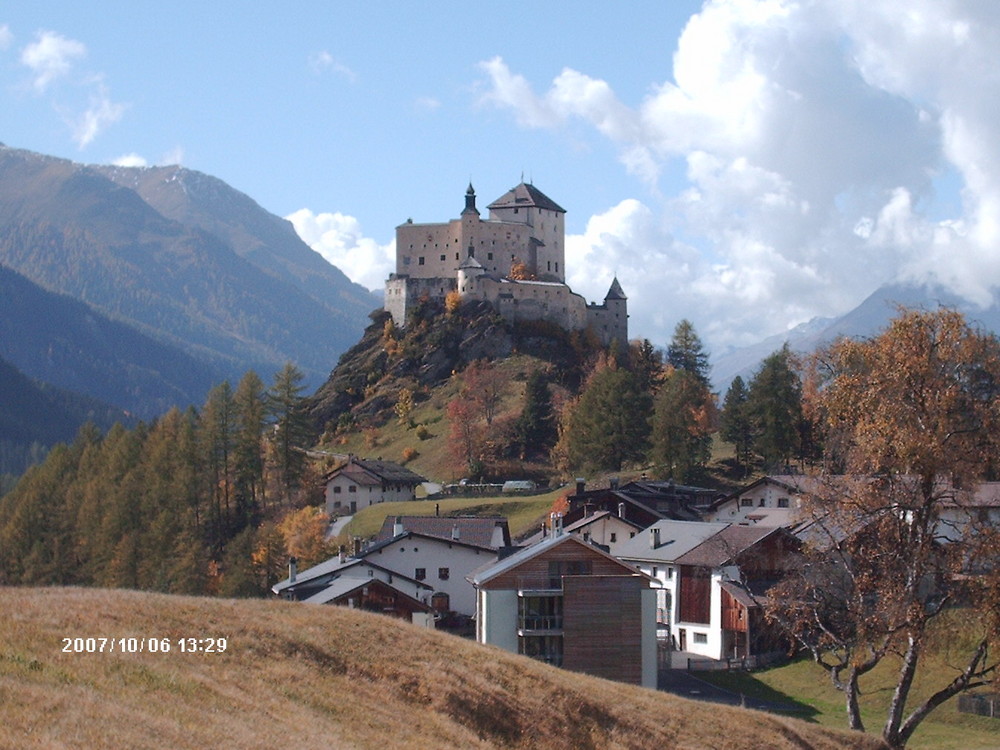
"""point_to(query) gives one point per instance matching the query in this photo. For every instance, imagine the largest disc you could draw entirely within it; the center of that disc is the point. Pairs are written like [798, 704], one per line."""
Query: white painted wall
[498, 618]
[407, 554]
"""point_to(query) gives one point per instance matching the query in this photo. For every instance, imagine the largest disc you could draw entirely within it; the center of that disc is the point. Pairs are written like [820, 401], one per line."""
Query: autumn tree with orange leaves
[896, 553]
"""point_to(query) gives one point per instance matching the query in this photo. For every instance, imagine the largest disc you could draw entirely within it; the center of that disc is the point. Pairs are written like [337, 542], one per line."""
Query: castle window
[406, 260]
[420, 260]
[456, 256]
[489, 256]
[442, 257]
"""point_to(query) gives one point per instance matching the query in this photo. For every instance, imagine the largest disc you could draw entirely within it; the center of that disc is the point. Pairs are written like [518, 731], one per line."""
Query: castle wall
[429, 256]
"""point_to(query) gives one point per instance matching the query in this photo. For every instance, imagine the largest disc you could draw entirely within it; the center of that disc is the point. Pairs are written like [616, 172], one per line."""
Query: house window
[670, 573]
[352, 488]
[443, 574]
[336, 504]
[746, 502]
[700, 637]
[782, 502]
[336, 490]
[614, 537]
[656, 570]
[420, 574]
[762, 502]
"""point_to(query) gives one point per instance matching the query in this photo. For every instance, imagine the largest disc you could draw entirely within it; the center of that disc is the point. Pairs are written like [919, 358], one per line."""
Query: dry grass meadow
[302, 676]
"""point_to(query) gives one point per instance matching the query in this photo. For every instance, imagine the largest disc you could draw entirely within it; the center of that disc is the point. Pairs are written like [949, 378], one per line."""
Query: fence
[980, 704]
[744, 664]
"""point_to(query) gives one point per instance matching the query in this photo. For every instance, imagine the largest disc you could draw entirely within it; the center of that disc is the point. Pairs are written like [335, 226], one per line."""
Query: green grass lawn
[806, 685]
[523, 513]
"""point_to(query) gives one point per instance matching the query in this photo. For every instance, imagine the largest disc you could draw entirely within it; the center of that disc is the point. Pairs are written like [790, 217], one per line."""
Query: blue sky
[745, 164]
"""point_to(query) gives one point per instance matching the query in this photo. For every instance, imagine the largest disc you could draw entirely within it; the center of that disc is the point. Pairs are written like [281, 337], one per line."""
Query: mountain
[867, 319]
[198, 265]
[191, 672]
[59, 340]
[35, 416]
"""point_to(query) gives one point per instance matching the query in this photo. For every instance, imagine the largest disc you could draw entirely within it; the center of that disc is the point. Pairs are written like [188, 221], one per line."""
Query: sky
[746, 165]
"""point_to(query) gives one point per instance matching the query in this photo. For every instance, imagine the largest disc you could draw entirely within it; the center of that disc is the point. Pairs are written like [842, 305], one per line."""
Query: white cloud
[427, 103]
[811, 134]
[341, 241]
[51, 57]
[6, 37]
[100, 113]
[171, 157]
[323, 61]
[130, 160]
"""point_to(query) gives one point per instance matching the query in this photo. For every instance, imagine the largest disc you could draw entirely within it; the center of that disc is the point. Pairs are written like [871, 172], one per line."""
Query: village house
[768, 501]
[490, 532]
[359, 584]
[568, 603]
[359, 483]
[709, 576]
[605, 529]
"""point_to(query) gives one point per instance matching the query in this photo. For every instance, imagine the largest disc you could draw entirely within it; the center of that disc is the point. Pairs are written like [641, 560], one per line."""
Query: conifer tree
[686, 352]
[774, 404]
[293, 431]
[250, 407]
[735, 420]
[535, 427]
[609, 424]
[682, 437]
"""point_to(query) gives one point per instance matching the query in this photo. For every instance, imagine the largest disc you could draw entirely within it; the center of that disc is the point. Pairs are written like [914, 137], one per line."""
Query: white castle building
[515, 260]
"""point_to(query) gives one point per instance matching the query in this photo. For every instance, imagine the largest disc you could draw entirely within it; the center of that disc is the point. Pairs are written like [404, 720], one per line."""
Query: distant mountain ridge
[181, 256]
[59, 340]
[867, 319]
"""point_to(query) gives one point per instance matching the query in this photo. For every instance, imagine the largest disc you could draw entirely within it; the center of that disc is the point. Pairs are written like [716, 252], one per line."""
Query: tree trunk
[853, 707]
[894, 719]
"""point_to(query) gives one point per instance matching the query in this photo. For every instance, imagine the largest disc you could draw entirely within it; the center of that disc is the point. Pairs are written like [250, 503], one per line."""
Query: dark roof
[474, 530]
[616, 291]
[722, 548]
[526, 195]
[385, 471]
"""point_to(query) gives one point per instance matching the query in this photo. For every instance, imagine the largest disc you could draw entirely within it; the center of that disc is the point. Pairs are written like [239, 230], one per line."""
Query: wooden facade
[602, 631]
[695, 594]
[546, 570]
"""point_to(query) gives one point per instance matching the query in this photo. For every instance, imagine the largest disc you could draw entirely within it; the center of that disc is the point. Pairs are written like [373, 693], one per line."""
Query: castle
[515, 260]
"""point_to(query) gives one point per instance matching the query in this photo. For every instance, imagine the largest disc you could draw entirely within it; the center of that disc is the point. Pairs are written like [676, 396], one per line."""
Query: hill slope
[295, 675]
[58, 340]
[193, 281]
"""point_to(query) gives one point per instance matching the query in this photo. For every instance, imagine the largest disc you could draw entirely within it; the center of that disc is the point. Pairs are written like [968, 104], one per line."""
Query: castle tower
[544, 252]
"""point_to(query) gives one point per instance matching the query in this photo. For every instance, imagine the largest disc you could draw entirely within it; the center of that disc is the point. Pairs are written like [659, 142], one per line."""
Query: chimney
[588, 510]
[654, 537]
[615, 482]
[581, 485]
[397, 526]
[341, 555]
[545, 530]
[357, 546]
[621, 510]
[455, 532]
[293, 569]
[556, 521]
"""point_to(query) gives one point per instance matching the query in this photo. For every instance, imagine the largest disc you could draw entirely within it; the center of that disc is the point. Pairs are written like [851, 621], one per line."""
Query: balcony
[540, 625]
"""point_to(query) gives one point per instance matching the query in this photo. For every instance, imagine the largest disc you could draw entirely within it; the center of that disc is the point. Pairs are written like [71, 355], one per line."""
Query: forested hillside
[213, 287]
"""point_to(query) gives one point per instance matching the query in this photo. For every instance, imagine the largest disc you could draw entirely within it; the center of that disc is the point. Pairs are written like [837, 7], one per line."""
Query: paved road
[685, 684]
[337, 526]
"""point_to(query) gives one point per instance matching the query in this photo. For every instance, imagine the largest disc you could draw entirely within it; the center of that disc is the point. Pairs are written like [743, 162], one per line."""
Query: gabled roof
[526, 195]
[345, 586]
[333, 567]
[475, 530]
[430, 538]
[487, 573]
[677, 538]
[723, 547]
[376, 471]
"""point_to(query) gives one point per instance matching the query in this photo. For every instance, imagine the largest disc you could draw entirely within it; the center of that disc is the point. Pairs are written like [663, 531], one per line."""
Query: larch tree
[293, 430]
[682, 426]
[897, 556]
[686, 352]
[608, 426]
[774, 406]
[735, 424]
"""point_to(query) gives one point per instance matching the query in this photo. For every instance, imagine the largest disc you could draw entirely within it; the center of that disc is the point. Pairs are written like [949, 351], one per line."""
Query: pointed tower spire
[470, 201]
[616, 291]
